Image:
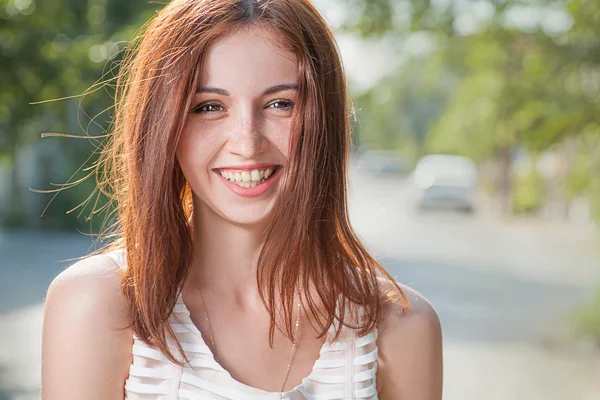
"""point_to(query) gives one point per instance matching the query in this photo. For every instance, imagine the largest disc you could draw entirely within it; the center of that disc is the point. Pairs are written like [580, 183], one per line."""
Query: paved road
[504, 292]
[28, 263]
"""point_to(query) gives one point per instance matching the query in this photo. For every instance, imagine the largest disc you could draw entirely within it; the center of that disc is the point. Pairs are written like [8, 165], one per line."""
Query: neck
[225, 257]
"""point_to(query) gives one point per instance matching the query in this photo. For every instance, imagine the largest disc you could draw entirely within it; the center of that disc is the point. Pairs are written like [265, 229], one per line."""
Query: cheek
[196, 145]
[185, 149]
[193, 160]
[279, 133]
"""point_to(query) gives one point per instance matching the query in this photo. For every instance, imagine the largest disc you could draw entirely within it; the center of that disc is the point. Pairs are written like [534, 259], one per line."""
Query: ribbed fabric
[345, 369]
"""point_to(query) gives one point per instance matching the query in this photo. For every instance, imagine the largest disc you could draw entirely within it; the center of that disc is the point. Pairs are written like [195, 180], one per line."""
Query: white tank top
[344, 370]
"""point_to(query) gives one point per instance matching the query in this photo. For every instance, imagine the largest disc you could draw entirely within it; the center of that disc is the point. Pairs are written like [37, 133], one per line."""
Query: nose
[247, 140]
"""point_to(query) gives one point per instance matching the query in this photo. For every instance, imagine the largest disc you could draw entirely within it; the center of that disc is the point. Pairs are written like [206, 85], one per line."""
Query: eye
[283, 105]
[208, 108]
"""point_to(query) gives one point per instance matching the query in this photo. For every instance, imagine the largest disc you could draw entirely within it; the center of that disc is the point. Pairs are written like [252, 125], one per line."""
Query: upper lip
[248, 167]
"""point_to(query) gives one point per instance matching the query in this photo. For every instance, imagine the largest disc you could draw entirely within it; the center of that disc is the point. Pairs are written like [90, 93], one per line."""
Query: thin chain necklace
[292, 352]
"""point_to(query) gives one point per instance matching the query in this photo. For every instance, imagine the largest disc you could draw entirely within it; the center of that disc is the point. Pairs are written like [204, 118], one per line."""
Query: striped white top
[344, 370]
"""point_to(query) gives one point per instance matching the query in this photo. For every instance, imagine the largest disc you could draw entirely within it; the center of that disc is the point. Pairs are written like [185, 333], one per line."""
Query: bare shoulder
[410, 346]
[86, 343]
[396, 316]
[90, 285]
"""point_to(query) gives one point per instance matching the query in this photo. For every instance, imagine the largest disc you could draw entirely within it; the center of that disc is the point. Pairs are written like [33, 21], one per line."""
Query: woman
[234, 273]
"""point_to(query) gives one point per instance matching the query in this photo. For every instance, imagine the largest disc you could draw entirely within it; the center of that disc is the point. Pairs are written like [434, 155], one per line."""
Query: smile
[248, 178]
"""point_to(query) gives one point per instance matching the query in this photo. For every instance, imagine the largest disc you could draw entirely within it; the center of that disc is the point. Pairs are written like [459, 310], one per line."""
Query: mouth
[249, 178]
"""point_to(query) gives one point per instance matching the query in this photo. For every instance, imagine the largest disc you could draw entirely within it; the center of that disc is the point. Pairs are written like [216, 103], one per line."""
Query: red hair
[309, 239]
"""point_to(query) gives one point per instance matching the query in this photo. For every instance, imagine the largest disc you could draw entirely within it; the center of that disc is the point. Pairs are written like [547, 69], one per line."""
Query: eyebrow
[273, 89]
[280, 88]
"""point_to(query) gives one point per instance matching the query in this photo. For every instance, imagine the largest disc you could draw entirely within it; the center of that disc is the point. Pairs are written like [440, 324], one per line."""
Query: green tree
[56, 49]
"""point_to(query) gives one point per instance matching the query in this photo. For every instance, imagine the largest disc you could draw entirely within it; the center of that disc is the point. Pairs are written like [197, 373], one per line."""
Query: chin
[247, 218]
[235, 210]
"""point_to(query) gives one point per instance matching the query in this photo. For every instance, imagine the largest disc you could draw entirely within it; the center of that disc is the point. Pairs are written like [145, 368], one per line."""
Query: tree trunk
[505, 182]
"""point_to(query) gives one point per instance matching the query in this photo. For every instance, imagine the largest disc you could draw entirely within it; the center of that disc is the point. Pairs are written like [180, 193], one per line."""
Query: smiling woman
[234, 272]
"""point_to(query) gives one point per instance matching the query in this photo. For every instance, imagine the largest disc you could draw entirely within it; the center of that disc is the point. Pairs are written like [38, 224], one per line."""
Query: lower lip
[251, 191]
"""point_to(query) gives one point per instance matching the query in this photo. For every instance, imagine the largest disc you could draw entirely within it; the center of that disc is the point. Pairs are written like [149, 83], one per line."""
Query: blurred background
[475, 175]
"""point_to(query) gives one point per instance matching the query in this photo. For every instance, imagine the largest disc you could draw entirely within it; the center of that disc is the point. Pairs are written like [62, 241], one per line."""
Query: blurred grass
[587, 319]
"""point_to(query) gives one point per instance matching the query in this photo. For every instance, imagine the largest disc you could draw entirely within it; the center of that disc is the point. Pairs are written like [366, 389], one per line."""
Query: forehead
[248, 58]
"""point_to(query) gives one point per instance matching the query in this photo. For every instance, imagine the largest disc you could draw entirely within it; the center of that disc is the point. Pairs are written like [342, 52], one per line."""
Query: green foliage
[378, 17]
[50, 50]
[529, 192]
[398, 111]
[515, 87]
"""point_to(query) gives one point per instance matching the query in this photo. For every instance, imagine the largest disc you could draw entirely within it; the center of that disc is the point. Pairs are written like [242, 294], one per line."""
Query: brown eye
[283, 105]
[208, 108]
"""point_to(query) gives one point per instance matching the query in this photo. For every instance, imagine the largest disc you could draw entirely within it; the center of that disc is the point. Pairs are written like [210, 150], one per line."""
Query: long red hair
[309, 240]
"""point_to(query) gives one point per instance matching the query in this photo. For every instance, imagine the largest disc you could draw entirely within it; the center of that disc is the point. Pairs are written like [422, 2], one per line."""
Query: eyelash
[199, 108]
[289, 105]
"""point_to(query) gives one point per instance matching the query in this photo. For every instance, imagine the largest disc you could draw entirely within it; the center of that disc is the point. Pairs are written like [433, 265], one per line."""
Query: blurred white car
[446, 181]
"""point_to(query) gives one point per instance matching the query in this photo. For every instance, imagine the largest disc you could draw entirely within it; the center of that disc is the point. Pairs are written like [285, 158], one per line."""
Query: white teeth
[248, 178]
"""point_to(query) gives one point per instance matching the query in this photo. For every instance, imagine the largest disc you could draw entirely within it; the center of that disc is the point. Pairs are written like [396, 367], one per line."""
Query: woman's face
[235, 140]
